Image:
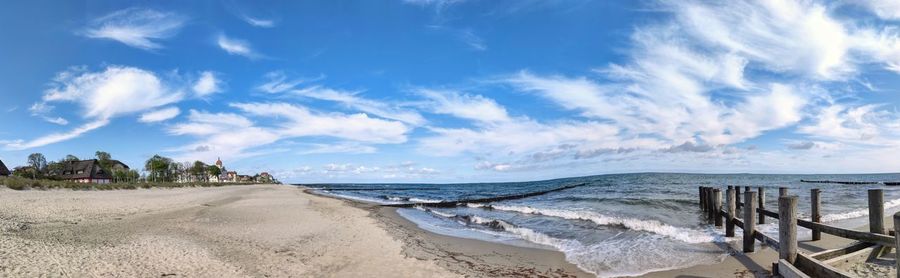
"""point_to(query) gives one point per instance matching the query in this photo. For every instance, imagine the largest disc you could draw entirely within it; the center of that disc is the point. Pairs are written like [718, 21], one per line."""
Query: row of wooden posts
[791, 263]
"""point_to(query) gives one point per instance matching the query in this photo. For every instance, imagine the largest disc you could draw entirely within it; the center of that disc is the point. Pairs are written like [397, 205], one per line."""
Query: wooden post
[762, 204]
[787, 228]
[782, 191]
[737, 197]
[700, 196]
[816, 211]
[897, 237]
[729, 211]
[717, 206]
[749, 223]
[876, 211]
[711, 212]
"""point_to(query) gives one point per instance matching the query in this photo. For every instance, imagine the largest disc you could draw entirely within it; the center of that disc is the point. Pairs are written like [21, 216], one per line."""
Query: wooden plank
[815, 268]
[717, 206]
[834, 253]
[767, 240]
[880, 239]
[786, 270]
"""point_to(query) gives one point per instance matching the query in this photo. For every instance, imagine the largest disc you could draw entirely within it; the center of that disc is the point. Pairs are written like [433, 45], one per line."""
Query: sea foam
[652, 226]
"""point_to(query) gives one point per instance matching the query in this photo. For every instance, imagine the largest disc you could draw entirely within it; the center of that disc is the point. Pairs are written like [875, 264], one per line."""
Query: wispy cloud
[258, 22]
[102, 96]
[56, 137]
[352, 100]
[278, 82]
[217, 137]
[136, 27]
[160, 115]
[237, 47]
[207, 84]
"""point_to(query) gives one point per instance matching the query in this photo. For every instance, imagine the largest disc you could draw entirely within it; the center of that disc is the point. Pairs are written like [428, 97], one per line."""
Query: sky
[456, 90]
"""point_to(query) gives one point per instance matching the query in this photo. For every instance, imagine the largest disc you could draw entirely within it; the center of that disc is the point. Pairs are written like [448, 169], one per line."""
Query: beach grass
[20, 183]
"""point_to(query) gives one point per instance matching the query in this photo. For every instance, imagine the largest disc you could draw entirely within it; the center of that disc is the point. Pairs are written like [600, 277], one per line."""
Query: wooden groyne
[792, 263]
[843, 182]
[450, 204]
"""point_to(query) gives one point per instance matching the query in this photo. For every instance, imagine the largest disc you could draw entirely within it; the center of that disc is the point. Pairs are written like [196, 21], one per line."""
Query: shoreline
[468, 257]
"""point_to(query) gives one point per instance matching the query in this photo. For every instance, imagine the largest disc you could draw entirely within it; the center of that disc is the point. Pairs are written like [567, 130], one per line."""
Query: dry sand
[235, 231]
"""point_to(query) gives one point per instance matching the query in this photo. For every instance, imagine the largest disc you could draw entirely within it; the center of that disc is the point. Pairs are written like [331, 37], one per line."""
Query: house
[85, 171]
[117, 166]
[231, 176]
[245, 178]
[3, 170]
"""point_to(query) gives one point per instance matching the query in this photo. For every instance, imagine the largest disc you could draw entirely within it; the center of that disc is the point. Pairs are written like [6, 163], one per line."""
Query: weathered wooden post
[876, 211]
[816, 211]
[700, 196]
[737, 197]
[729, 211]
[787, 228]
[717, 206]
[749, 223]
[710, 201]
[762, 204]
[782, 191]
[897, 237]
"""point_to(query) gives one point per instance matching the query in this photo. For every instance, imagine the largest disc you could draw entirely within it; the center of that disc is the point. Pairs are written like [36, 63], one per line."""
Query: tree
[105, 160]
[198, 170]
[158, 167]
[69, 157]
[213, 170]
[38, 164]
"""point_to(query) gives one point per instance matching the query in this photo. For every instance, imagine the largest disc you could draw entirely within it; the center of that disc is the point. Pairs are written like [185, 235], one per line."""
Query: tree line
[157, 168]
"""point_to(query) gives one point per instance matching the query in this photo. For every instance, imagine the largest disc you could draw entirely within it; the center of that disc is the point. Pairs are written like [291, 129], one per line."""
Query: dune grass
[19, 183]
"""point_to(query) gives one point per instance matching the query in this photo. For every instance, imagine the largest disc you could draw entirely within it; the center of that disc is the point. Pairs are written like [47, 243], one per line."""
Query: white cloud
[56, 137]
[471, 107]
[258, 22]
[136, 27]
[207, 84]
[352, 100]
[103, 95]
[237, 47]
[866, 124]
[303, 122]
[57, 120]
[113, 92]
[160, 115]
[277, 82]
[231, 135]
[886, 9]
[344, 147]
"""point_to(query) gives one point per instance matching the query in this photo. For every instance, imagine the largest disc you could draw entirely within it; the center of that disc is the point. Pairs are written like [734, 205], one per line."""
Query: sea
[615, 225]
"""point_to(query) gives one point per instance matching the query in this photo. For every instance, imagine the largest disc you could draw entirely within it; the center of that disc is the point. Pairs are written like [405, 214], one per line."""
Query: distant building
[231, 176]
[85, 171]
[245, 178]
[3, 170]
[219, 163]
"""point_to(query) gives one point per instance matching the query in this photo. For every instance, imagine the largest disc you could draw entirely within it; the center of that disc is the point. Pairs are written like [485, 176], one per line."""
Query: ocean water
[615, 225]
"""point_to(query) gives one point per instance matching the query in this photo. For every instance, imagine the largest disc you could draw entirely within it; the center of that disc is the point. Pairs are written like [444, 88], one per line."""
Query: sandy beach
[270, 231]
[237, 231]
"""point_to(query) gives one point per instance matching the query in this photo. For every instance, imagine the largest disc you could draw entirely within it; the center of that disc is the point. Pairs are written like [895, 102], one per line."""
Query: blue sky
[457, 91]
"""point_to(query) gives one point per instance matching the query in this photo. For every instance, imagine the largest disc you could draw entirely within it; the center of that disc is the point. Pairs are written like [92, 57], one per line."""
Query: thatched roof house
[3, 170]
[84, 171]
